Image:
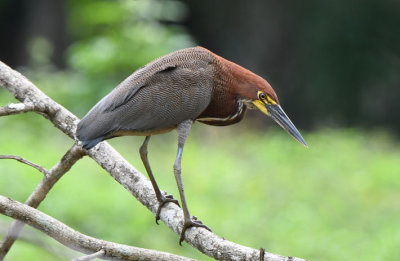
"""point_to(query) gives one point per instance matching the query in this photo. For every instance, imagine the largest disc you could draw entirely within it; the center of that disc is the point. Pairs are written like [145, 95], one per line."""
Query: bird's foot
[191, 222]
[164, 199]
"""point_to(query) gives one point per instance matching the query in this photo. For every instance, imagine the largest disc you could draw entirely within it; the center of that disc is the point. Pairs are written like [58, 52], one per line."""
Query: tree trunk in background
[23, 20]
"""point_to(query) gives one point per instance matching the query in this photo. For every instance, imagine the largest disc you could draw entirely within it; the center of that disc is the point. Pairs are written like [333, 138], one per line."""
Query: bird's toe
[162, 201]
[191, 223]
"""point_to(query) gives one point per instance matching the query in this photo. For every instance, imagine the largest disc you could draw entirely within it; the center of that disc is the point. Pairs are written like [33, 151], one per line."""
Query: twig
[75, 240]
[134, 181]
[15, 108]
[38, 195]
[90, 257]
[20, 159]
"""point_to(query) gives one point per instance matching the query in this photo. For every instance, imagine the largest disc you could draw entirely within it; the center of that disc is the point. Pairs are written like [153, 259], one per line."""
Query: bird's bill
[276, 112]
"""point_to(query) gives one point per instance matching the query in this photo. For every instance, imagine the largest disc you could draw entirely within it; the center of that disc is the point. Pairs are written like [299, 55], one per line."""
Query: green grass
[337, 200]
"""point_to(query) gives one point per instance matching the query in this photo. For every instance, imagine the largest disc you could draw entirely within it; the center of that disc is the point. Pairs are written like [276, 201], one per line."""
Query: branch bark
[75, 240]
[15, 108]
[124, 173]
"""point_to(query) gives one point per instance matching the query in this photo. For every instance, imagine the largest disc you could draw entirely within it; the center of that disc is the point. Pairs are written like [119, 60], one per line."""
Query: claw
[165, 199]
[191, 223]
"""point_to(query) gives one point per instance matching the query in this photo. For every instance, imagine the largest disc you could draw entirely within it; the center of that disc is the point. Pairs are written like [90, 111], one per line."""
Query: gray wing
[157, 97]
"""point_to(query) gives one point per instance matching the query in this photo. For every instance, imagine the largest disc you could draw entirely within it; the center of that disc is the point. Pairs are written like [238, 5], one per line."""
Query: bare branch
[75, 240]
[15, 108]
[36, 238]
[38, 195]
[91, 257]
[27, 93]
[22, 160]
[139, 186]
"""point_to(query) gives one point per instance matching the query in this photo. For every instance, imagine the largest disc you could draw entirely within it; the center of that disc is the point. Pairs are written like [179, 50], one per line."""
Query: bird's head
[258, 93]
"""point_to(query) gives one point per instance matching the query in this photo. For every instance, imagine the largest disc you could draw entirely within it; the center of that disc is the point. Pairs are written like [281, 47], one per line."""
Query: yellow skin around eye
[260, 104]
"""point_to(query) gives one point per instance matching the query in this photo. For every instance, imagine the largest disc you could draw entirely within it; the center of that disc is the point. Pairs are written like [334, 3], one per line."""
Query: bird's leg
[183, 131]
[162, 199]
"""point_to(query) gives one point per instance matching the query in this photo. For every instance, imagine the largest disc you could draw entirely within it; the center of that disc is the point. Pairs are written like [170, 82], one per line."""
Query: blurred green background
[335, 66]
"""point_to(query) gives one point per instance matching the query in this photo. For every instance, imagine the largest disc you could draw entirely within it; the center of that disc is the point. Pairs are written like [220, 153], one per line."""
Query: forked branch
[38, 195]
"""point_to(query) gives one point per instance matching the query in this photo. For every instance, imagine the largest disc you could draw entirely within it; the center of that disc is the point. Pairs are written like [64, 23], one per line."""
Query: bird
[173, 92]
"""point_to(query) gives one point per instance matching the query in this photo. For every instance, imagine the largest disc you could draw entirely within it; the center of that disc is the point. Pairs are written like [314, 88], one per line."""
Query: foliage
[110, 40]
[337, 200]
[122, 35]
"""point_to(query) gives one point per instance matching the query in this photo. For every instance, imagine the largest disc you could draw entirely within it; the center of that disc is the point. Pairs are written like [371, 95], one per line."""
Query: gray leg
[183, 131]
[162, 199]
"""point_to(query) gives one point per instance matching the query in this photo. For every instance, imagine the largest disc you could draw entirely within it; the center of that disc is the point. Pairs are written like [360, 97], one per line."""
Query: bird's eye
[261, 96]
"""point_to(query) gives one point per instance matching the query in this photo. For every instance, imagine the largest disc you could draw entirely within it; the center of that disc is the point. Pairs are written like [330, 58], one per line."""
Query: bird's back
[154, 99]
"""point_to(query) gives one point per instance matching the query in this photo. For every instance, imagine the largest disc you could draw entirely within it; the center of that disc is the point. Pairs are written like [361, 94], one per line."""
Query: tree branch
[75, 240]
[38, 195]
[205, 241]
[27, 93]
[22, 160]
[35, 238]
[15, 108]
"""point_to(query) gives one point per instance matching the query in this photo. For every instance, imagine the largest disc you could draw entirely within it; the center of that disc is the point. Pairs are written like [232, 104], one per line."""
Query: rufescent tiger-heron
[172, 92]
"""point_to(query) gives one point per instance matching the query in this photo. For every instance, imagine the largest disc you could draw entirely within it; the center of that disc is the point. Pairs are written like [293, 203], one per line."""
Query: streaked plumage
[172, 92]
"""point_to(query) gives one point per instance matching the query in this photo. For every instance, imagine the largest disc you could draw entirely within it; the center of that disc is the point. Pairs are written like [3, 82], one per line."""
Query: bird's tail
[88, 144]
[87, 135]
